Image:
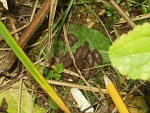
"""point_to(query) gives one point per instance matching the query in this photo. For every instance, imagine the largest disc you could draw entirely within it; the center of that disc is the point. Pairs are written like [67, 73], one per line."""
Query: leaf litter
[80, 19]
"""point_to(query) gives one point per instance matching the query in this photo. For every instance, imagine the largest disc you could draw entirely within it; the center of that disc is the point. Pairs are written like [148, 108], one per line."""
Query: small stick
[16, 36]
[82, 87]
[139, 17]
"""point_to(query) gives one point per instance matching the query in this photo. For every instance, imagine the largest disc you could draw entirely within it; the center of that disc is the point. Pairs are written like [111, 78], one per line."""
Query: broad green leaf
[96, 39]
[59, 68]
[130, 54]
[27, 105]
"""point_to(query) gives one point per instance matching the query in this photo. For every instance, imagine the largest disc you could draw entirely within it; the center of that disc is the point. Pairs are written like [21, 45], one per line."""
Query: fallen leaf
[137, 105]
[27, 104]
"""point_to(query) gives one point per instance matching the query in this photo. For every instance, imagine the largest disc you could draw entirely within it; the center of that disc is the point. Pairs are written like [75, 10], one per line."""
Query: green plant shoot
[56, 73]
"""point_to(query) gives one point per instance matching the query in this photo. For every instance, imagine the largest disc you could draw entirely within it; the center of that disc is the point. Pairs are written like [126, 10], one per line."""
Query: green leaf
[144, 9]
[109, 13]
[130, 54]
[130, 4]
[57, 76]
[148, 2]
[59, 68]
[52, 104]
[39, 68]
[96, 39]
[49, 75]
[117, 1]
[46, 71]
[26, 105]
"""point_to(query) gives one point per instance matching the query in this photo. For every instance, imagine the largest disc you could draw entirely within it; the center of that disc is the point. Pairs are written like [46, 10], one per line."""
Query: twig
[34, 9]
[16, 36]
[19, 29]
[129, 21]
[139, 17]
[20, 92]
[83, 87]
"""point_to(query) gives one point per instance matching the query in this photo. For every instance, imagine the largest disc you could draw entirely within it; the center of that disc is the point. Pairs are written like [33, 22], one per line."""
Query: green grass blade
[30, 67]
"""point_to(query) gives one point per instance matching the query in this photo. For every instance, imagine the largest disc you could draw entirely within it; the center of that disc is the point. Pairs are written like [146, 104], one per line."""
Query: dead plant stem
[8, 61]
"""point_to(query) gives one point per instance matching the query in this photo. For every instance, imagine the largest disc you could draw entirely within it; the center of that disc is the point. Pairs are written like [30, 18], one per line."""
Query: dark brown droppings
[80, 64]
[93, 71]
[90, 59]
[71, 43]
[67, 63]
[74, 78]
[78, 52]
[87, 73]
[97, 57]
[65, 75]
[72, 68]
[65, 57]
[85, 50]
[72, 38]
[84, 59]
